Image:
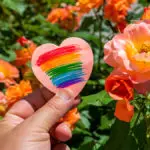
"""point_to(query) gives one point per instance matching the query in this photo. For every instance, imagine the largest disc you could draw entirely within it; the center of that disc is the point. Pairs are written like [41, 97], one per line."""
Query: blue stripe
[71, 82]
[65, 77]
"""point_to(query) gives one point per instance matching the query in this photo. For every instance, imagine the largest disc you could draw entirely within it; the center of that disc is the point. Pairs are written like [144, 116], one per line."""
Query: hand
[28, 124]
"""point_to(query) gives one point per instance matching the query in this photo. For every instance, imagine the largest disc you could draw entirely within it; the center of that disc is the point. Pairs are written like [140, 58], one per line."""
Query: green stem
[101, 43]
[138, 116]
[112, 27]
[137, 119]
[99, 18]
[147, 3]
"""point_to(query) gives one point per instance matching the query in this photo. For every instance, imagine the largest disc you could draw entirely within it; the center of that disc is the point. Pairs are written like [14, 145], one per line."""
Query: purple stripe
[70, 82]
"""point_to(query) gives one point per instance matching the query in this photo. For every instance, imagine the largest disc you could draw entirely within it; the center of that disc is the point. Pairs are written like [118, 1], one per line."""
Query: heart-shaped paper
[66, 66]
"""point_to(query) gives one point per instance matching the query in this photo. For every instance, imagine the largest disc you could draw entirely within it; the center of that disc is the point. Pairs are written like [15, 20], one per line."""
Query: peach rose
[129, 52]
[143, 88]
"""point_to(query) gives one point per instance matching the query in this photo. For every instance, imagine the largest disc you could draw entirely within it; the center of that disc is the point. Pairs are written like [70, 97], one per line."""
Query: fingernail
[61, 147]
[67, 148]
[64, 94]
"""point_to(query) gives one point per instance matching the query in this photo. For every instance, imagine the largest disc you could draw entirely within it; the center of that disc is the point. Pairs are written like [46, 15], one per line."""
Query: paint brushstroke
[62, 60]
[67, 76]
[63, 69]
[70, 82]
[63, 66]
[57, 53]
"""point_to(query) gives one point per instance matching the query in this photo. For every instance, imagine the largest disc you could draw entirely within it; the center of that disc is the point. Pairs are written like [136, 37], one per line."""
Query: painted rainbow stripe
[62, 65]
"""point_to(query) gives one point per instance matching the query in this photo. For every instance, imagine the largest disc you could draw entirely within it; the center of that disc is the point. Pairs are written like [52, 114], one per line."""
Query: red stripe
[56, 53]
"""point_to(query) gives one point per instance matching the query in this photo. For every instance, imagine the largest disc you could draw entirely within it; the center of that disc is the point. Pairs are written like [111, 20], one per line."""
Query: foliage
[97, 129]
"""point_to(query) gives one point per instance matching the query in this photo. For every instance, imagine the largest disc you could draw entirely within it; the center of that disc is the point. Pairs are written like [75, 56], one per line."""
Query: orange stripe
[63, 60]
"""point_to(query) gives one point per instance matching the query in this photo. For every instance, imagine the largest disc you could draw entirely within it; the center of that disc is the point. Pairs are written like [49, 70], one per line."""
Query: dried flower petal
[71, 118]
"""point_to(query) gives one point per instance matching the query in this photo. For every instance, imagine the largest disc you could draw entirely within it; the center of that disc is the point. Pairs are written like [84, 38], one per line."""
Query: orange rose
[86, 5]
[18, 91]
[24, 55]
[124, 111]
[116, 10]
[68, 18]
[7, 73]
[131, 1]
[23, 41]
[121, 26]
[146, 14]
[3, 104]
[119, 87]
[26, 88]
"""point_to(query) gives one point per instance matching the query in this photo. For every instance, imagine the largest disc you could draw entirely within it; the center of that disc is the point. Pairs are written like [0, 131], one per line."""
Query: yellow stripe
[63, 60]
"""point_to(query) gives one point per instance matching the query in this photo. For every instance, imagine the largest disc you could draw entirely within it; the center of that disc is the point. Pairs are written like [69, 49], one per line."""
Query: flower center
[145, 48]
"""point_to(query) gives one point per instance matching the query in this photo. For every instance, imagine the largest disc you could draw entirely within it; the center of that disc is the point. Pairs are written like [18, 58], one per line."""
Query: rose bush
[119, 34]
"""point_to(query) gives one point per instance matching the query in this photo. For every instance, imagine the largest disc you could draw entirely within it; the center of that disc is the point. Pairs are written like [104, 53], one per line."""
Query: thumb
[52, 111]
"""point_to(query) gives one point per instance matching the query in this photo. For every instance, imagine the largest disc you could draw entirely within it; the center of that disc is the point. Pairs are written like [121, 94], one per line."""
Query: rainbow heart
[67, 66]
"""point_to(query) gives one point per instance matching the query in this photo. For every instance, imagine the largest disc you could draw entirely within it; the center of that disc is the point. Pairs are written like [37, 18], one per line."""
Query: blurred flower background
[115, 110]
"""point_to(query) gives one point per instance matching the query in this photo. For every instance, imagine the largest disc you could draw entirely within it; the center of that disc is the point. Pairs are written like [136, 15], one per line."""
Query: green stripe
[64, 69]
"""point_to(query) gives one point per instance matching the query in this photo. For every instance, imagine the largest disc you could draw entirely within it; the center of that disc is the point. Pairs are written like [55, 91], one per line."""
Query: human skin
[29, 124]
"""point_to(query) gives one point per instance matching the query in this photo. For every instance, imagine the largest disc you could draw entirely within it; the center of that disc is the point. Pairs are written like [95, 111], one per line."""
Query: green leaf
[87, 22]
[81, 131]
[99, 99]
[40, 40]
[119, 134]
[2, 86]
[84, 122]
[1, 117]
[144, 2]
[87, 36]
[106, 122]
[29, 64]
[16, 46]
[87, 144]
[16, 5]
[140, 133]
[74, 148]
[135, 13]
[61, 1]
[130, 144]
[101, 142]
[8, 55]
